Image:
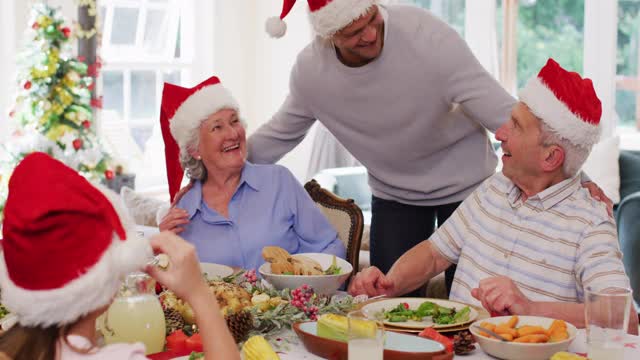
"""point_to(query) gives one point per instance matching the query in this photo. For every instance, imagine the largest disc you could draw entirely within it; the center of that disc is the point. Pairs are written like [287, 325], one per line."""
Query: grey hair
[195, 168]
[574, 155]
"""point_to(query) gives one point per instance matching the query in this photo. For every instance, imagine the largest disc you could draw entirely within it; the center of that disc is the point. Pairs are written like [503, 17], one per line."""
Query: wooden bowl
[394, 343]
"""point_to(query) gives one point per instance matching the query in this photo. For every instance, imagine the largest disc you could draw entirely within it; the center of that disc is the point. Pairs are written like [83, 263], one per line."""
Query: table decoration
[253, 307]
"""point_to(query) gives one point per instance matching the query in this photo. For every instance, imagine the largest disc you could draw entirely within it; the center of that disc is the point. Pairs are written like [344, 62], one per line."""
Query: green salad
[441, 315]
[334, 269]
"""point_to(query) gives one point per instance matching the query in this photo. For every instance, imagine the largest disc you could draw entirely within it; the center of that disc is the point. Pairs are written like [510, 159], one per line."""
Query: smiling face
[523, 152]
[222, 142]
[361, 41]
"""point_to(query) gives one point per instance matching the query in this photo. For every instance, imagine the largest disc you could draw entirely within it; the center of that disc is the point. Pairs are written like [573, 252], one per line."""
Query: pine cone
[463, 343]
[239, 324]
[173, 320]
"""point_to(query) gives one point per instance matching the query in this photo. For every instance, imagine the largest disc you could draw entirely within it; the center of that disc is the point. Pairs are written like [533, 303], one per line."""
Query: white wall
[7, 66]
[254, 66]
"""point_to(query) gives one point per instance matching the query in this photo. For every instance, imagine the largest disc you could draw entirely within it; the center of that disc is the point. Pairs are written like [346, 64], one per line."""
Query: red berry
[108, 174]
[86, 124]
[77, 144]
[35, 26]
[66, 32]
[27, 85]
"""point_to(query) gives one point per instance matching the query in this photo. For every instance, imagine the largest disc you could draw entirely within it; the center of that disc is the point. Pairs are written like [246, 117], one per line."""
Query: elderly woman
[234, 208]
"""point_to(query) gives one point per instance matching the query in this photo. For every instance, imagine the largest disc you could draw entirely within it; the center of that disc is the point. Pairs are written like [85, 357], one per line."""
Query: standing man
[404, 94]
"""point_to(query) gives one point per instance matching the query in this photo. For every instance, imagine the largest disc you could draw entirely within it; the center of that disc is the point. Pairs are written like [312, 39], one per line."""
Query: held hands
[174, 220]
[176, 216]
[501, 295]
[183, 275]
[372, 282]
[598, 194]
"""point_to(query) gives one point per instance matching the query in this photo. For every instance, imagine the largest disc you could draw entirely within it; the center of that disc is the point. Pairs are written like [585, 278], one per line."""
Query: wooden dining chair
[344, 215]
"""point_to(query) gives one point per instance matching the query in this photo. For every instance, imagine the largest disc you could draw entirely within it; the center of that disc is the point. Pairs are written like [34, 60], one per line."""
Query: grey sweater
[395, 114]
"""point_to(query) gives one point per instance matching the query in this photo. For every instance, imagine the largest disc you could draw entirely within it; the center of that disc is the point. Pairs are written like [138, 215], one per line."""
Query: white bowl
[322, 284]
[520, 351]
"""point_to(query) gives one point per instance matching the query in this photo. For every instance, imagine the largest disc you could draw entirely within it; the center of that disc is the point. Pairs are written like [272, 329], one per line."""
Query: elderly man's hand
[501, 295]
[598, 194]
[371, 281]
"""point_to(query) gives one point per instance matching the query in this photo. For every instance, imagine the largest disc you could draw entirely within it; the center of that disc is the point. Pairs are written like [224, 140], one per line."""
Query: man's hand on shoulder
[372, 282]
[501, 295]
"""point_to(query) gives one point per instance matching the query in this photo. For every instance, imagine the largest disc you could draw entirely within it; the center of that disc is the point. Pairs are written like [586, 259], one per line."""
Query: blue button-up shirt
[269, 207]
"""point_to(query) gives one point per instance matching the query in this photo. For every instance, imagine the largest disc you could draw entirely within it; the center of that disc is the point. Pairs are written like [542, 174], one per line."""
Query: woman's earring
[199, 158]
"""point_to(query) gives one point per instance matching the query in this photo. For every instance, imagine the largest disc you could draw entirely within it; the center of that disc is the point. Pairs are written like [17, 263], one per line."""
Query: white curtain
[327, 152]
[480, 33]
[600, 49]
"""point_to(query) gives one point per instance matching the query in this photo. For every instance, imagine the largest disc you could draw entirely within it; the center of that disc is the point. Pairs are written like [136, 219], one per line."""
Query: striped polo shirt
[552, 245]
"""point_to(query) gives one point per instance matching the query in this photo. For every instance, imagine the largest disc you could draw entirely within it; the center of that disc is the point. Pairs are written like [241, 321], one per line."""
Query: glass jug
[135, 315]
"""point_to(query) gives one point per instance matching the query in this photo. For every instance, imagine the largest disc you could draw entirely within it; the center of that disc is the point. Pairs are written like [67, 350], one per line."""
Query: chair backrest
[344, 215]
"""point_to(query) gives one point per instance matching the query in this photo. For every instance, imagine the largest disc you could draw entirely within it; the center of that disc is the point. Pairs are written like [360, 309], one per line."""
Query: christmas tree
[53, 108]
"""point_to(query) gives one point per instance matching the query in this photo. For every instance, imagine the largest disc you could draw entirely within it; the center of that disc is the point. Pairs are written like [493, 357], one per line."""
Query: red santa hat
[181, 113]
[67, 244]
[565, 102]
[327, 16]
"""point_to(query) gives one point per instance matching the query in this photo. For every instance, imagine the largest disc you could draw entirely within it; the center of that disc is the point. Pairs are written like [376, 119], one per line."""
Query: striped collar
[545, 199]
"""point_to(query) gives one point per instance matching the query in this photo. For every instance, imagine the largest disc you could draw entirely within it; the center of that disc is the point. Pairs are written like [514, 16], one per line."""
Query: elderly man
[384, 81]
[529, 239]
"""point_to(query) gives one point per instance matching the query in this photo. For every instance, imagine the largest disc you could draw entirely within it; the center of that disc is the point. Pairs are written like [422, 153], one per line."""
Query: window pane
[549, 28]
[626, 102]
[450, 11]
[156, 30]
[628, 87]
[143, 94]
[125, 22]
[172, 77]
[113, 98]
[178, 40]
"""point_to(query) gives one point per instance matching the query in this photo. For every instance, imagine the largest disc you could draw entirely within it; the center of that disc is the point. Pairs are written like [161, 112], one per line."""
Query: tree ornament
[77, 144]
[86, 124]
[66, 32]
[109, 174]
[35, 26]
[27, 85]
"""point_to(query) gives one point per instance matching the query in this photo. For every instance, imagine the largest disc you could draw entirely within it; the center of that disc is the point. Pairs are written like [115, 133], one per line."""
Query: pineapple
[257, 348]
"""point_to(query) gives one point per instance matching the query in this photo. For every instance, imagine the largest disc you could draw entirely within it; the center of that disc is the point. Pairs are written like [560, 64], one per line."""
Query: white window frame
[129, 58]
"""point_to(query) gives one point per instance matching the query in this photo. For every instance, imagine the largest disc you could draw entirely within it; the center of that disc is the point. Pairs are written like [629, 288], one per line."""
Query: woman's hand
[598, 194]
[183, 275]
[174, 220]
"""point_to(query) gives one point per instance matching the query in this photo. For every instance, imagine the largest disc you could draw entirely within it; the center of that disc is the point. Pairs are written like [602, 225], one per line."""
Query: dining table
[293, 349]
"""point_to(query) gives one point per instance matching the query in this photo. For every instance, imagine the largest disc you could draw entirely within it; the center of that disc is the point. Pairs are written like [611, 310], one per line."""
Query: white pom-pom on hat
[275, 27]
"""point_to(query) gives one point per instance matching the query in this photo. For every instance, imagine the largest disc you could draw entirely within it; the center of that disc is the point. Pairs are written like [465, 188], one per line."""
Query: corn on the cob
[257, 348]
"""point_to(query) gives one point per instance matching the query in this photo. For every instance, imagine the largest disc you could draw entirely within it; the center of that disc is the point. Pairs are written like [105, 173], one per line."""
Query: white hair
[574, 155]
[195, 168]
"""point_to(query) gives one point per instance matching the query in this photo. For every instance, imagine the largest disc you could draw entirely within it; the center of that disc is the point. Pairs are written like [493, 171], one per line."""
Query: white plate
[385, 305]
[215, 270]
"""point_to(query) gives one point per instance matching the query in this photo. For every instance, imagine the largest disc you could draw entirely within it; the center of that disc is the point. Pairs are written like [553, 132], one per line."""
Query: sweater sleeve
[286, 129]
[467, 83]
